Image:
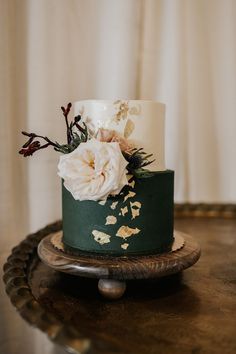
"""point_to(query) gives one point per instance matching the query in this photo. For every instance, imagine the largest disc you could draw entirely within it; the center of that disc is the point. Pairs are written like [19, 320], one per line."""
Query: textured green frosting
[147, 214]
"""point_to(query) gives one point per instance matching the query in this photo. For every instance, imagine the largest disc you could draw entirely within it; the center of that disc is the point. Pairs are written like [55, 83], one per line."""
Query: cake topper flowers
[75, 133]
[92, 167]
[94, 170]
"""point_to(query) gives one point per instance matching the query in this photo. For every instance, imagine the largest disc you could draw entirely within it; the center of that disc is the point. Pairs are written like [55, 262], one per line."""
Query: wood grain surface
[123, 267]
[191, 312]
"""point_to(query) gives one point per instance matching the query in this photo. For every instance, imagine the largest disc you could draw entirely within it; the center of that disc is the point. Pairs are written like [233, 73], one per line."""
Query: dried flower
[78, 133]
[74, 138]
[30, 148]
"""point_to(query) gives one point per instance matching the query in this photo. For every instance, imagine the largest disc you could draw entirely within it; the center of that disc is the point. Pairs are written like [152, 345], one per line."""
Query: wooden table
[193, 312]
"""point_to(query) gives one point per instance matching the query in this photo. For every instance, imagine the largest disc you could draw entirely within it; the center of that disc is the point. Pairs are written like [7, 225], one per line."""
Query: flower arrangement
[93, 166]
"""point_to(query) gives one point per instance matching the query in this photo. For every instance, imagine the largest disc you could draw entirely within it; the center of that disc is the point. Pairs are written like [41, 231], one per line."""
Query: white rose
[93, 170]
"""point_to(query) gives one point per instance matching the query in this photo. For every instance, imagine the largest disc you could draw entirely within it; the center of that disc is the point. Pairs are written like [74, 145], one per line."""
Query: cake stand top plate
[121, 267]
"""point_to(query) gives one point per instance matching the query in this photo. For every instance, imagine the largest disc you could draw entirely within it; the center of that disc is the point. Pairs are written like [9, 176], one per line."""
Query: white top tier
[143, 122]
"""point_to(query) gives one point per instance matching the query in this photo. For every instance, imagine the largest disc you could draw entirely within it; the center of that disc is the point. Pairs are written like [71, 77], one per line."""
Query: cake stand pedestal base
[114, 271]
[111, 288]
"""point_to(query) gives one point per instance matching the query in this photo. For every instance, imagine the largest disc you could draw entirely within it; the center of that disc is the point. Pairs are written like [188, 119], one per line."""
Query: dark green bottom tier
[137, 221]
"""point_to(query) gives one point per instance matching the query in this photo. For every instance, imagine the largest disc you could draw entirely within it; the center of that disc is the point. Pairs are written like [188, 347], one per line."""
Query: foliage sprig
[138, 159]
[75, 132]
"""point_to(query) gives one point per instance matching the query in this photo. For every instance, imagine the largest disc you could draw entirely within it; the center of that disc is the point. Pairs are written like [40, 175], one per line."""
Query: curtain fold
[189, 63]
[181, 53]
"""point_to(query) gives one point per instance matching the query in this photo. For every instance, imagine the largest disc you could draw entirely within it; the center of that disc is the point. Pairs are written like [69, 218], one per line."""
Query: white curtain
[179, 52]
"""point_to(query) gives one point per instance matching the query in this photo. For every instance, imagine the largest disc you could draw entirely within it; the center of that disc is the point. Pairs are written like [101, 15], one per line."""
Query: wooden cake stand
[113, 271]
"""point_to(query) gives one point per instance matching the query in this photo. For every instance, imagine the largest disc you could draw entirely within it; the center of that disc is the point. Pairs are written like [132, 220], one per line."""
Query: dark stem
[32, 136]
[68, 129]
[66, 111]
[50, 142]
[44, 146]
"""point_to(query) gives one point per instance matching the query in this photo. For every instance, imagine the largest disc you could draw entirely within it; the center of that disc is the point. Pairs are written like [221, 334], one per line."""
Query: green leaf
[143, 173]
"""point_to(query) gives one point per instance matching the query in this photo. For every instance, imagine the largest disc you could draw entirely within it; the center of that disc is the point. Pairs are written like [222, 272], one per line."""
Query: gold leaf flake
[129, 195]
[124, 211]
[125, 246]
[135, 213]
[111, 220]
[126, 231]
[122, 111]
[129, 177]
[113, 205]
[129, 128]
[132, 184]
[101, 237]
[135, 209]
[102, 202]
[135, 110]
[135, 204]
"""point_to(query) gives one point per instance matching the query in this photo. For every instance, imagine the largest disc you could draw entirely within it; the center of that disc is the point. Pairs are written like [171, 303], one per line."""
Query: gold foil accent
[111, 220]
[123, 110]
[56, 241]
[129, 128]
[129, 177]
[135, 209]
[113, 205]
[102, 202]
[129, 195]
[123, 211]
[135, 110]
[135, 204]
[101, 237]
[132, 184]
[125, 246]
[126, 231]
[135, 213]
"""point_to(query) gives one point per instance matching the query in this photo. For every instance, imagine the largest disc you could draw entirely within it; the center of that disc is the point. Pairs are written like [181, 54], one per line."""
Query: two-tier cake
[117, 195]
[139, 219]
